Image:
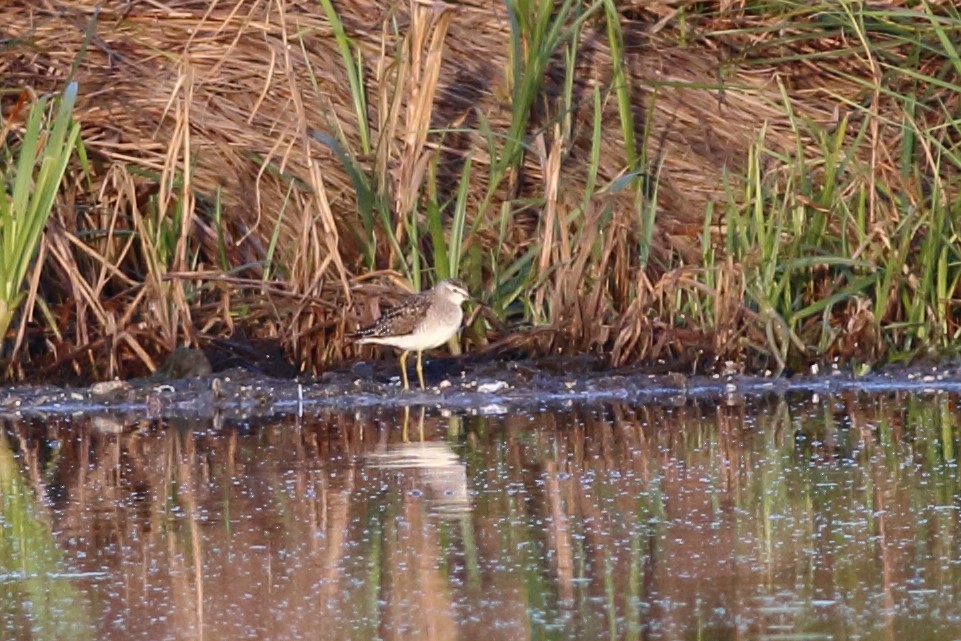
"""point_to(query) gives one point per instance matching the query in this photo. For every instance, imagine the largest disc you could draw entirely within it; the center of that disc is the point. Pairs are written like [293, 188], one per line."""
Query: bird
[421, 321]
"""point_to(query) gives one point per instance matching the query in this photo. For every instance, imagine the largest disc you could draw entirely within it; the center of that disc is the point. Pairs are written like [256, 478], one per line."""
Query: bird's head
[454, 290]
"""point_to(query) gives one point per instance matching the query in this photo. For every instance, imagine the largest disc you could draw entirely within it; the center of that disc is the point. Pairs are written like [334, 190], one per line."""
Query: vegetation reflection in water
[819, 518]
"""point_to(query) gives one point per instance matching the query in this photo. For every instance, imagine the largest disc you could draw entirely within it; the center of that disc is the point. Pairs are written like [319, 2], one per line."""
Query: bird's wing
[399, 320]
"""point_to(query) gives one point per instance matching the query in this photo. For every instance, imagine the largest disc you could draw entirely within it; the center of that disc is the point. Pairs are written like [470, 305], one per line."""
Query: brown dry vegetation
[213, 205]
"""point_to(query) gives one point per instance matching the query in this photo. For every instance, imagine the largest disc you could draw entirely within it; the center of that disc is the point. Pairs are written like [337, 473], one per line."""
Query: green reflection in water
[36, 600]
[829, 518]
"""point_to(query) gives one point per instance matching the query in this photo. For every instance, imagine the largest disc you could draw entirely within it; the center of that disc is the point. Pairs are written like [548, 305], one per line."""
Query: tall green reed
[32, 172]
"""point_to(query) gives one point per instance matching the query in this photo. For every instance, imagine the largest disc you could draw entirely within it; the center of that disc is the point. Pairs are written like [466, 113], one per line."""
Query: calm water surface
[830, 518]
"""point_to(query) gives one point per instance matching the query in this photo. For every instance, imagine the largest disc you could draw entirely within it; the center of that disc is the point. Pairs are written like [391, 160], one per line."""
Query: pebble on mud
[492, 387]
[109, 388]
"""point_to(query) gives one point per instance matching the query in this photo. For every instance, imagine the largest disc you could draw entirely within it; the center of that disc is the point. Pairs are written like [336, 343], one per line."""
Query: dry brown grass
[183, 100]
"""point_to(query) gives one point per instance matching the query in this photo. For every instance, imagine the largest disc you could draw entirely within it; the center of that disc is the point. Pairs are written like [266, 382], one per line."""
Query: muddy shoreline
[486, 388]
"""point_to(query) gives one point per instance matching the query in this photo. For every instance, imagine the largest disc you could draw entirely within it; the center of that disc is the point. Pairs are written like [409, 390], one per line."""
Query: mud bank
[486, 388]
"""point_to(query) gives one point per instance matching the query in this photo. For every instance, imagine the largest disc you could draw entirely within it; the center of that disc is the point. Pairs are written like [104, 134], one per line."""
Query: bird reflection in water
[429, 467]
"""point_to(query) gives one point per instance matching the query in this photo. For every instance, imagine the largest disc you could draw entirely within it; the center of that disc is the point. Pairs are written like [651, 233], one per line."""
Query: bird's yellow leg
[403, 370]
[420, 369]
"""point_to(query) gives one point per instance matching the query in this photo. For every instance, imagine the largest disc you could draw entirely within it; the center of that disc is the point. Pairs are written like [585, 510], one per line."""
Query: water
[830, 518]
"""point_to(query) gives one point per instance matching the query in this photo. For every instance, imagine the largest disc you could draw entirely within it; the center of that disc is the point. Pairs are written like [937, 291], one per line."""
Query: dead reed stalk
[213, 204]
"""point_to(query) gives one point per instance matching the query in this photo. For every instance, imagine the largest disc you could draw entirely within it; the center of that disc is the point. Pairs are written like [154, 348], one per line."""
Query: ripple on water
[790, 519]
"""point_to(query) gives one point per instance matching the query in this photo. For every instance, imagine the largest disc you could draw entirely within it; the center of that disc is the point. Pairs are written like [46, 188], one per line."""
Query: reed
[773, 186]
[32, 170]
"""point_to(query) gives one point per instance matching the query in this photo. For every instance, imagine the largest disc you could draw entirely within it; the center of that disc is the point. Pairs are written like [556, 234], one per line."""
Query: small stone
[496, 386]
[108, 388]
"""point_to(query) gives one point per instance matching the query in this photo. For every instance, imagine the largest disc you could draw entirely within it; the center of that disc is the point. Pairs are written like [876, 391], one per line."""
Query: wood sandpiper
[420, 321]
